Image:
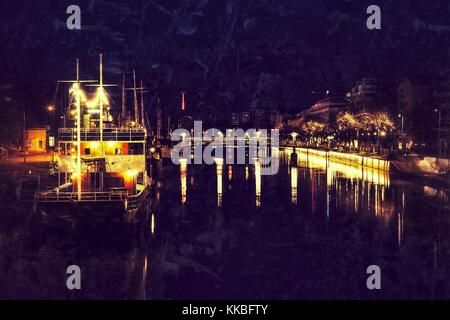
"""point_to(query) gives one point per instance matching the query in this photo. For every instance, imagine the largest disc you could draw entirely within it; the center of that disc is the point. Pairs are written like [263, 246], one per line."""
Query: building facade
[367, 94]
[326, 109]
[36, 140]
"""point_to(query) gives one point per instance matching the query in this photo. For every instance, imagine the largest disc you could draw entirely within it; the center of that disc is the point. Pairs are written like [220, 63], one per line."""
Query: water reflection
[348, 188]
[219, 173]
[258, 182]
[294, 182]
[183, 176]
[315, 212]
[152, 224]
[353, 188]
[351, 172]
[230, 176]
[330, 179]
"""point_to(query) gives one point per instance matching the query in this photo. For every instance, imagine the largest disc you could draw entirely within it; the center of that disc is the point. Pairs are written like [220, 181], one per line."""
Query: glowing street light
[294, 136]
[438, 111]
[403, 134]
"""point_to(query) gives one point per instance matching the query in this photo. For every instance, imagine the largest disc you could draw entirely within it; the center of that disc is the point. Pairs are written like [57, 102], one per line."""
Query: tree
[383, 122]
[313, 130]
[348, 121]
[348, 126]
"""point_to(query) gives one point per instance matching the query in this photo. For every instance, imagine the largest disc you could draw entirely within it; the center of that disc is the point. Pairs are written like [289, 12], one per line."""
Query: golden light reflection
[294, 183]
[355, 187]
[152, 224]
[258, 182]
[145, 268]
[377, 204]
[183, 176]
[329, 186]
[366, 174]
[400, 222]
[219, 172]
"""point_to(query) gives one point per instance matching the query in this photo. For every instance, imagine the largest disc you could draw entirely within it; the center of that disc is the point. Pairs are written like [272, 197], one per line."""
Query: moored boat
[101, 163]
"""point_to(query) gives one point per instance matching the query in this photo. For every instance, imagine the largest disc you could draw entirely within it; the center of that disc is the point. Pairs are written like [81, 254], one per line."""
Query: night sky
[227, 54]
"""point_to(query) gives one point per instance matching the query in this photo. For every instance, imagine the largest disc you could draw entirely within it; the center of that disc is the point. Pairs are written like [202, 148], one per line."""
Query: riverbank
[350, 158]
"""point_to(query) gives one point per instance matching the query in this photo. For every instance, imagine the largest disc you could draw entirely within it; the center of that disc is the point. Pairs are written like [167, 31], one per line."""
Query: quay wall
[351, 159]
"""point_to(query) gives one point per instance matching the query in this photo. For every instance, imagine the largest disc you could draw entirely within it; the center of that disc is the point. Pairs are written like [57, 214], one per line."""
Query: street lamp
[294, 137]
[402, 119]
[403, 134]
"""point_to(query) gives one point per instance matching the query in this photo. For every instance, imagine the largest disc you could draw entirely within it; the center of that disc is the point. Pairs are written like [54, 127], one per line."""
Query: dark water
[214, 232]
[309, 232]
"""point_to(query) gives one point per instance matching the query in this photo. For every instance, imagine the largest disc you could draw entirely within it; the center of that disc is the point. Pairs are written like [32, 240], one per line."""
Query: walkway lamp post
[400, 115]
[294, 137]
[439, 134]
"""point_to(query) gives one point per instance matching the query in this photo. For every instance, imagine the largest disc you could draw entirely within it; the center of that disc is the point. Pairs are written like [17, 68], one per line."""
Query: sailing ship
[101, 163]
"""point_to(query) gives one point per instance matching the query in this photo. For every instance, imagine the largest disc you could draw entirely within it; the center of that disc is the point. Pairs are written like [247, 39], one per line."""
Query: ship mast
[183, 107]
[142, 105]
[124, 105]
[78, 105]
[158, 122]
[136, 108]
[101, 86]
[136, 103]
[101, 100]
[78, 82]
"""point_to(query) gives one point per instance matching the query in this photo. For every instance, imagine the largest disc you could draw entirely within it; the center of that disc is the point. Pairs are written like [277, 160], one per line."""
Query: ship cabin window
[118, 151]
[136, 149]
[87, 151]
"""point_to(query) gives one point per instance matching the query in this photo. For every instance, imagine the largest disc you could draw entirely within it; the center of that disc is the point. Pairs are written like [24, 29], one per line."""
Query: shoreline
[375, 163]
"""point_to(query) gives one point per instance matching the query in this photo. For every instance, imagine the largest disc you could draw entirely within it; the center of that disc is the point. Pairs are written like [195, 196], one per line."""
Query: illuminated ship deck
[111, 134]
